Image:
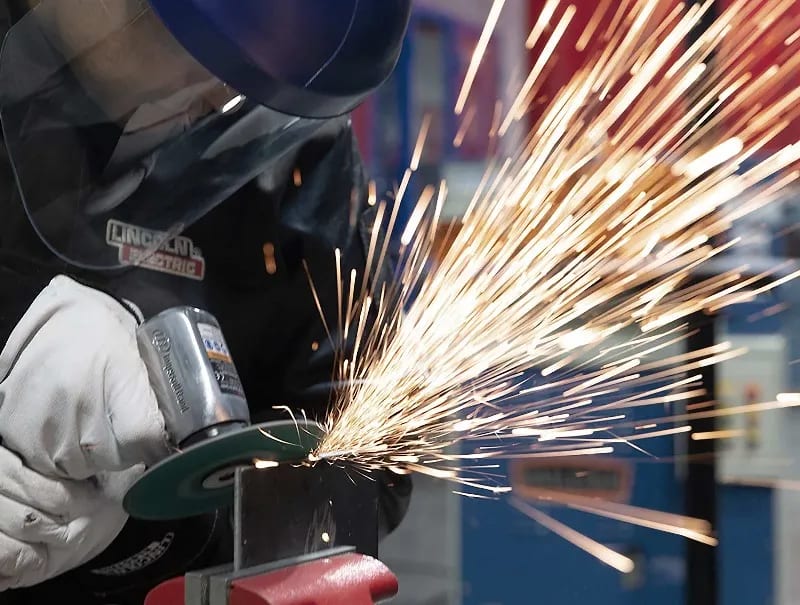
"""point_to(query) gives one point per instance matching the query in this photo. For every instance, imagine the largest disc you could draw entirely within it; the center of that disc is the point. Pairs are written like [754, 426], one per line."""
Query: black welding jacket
[243, 263]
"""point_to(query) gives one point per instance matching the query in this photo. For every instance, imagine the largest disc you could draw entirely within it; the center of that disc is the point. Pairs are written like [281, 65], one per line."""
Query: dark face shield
[90, 151]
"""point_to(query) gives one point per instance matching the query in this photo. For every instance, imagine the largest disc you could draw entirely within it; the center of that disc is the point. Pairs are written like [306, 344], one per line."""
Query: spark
[589, 451]
[551, 435]
[473, 496]
[714, 157]
[417, 214]
[725, 434]
[602, 553]
[517, 107]
[270, 264]
[269, 435]
[541, 23]
[416, 156]
[578, 262]
[591, 27]
[477, 55]
[664, 433]
[673, 519]
[792, 38]
[695, 529]
[465, 124]
[495, 127]
[264, 464]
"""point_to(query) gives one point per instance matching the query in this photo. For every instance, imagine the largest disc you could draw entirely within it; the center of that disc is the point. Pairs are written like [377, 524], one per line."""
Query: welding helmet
[151, 112]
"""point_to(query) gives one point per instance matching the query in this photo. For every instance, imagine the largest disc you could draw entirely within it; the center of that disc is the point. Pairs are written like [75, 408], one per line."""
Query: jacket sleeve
[21, 280]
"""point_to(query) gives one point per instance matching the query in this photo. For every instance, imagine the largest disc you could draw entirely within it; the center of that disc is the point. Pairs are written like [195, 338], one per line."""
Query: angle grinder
[207, 417]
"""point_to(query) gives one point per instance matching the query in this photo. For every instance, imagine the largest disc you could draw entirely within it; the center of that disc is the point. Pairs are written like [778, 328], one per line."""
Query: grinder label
[221, 360]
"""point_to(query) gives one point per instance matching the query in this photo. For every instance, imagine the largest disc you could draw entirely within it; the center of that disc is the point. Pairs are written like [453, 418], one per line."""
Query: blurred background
[742, 473]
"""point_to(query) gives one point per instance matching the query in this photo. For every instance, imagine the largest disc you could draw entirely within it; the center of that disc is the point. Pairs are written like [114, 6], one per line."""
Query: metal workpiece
[303, 533]
[193, 375]
[292, 510]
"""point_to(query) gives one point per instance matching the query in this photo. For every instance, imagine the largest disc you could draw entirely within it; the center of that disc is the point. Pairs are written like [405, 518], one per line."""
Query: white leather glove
[78, 423]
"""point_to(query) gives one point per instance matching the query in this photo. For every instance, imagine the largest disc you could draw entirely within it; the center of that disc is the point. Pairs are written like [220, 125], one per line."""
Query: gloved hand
[78, 422]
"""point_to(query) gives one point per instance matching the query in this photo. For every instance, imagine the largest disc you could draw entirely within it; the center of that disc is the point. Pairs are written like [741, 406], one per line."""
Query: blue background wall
[509, 560]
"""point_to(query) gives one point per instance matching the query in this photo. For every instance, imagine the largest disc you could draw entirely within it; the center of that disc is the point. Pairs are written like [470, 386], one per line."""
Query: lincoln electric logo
[174, 255]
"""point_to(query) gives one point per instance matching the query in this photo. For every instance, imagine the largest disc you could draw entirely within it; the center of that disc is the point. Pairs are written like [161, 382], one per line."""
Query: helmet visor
[108, 121]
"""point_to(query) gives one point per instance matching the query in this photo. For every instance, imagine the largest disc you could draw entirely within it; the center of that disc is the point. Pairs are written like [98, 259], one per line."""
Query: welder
[161, 153]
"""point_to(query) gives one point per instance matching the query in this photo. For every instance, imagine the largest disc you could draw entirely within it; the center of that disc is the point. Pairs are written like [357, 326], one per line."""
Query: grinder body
[193, 375]
[207, 418]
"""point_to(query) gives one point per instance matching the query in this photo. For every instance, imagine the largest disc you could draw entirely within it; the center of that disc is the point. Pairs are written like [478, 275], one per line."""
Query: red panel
[568, 60]
[770, 50]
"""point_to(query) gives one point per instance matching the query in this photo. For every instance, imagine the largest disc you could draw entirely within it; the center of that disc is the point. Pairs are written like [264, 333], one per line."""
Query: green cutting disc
[200, 478]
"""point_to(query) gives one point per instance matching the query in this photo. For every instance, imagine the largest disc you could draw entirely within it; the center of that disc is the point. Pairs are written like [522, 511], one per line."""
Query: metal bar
[294, 510]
